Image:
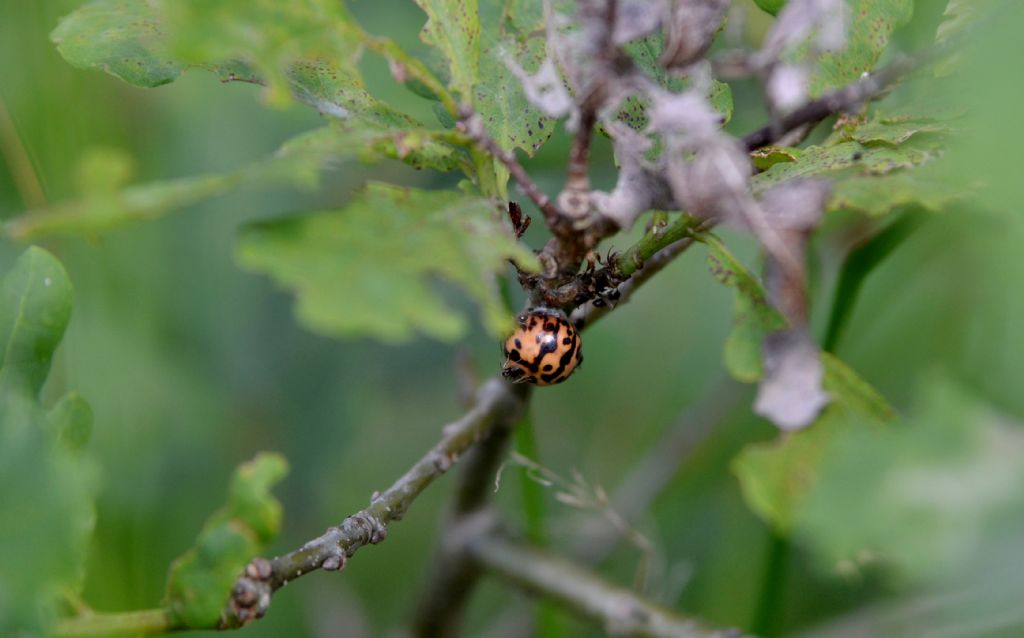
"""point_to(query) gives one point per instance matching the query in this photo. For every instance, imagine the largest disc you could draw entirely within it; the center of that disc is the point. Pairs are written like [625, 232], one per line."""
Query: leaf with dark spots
[124, 38]
[453, 28]
[869, 28]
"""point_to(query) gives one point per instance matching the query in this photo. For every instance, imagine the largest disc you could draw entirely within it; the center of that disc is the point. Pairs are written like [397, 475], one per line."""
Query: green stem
[857, 266]
[416, 69]
[130, 623]
[771, 602]
[548, 621]
[12, 148]
[533, 493]
[635, 256]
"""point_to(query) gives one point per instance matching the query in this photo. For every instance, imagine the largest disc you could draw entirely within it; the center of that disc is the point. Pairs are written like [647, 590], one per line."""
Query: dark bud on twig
[690, 30]
[520, 222]
[258, 569]
[250, 597]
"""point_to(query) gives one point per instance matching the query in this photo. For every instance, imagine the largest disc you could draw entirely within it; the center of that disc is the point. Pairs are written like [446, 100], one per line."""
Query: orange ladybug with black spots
[544, 350]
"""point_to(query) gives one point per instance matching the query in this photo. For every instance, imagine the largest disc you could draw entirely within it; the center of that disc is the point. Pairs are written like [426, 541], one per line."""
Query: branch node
[334, 562]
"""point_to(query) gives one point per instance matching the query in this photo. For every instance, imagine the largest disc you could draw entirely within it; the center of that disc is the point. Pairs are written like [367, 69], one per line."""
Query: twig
[472, 125]
[600, 17]
[639, 262]
[498, 405]
[620, 611]
[848, 98]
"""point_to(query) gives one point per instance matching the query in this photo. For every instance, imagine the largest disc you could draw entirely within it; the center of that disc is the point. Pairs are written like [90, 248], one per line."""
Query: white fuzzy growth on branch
[821, 26]
[544, 89]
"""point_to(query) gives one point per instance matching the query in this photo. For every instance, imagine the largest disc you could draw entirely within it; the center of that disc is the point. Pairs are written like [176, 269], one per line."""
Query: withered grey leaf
[796, 205]
[690, 30]
[713, 183]
[544, 89]
[791, 393]
[787, 86]
[820, 23]
[637, 19]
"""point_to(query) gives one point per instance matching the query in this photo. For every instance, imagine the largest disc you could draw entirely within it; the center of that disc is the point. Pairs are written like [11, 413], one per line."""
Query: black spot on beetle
[566, 341]
[547, 367]
[519, 344]
[514, 355]
[550, 327]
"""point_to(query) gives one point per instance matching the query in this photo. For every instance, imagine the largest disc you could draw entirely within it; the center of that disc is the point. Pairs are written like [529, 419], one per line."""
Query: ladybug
[544, 350]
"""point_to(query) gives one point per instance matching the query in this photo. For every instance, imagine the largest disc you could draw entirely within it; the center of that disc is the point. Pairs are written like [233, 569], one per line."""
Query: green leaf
[453, 27]
[857, 265]
[770, 6]
[121, 37]
[297, 163]
[508, 116]
[880, 195]
[776, 477]
[879, 164]
[200, 580]
[896, 127]
[843, 160]
[35, 304]
[46, 487]
[753, 317]
[869, 27]
[367, 269]
[768, 156]
[419, 147]
[267, 36]
[302, 48]
[72, 421]
[926, 497]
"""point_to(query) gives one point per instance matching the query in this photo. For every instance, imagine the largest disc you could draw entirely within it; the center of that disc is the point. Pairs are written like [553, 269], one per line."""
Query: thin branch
[639, 262]
[498, 405]
[600, 17]
[620, 611]
[846, 99]
[472, 126]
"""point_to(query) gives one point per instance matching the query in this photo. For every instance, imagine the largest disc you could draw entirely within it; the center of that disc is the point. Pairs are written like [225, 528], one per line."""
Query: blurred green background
[192, 365]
